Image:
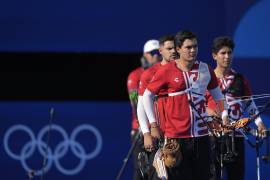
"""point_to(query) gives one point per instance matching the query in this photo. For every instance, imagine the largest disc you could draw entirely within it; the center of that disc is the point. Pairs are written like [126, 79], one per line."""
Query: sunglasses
[154, 52]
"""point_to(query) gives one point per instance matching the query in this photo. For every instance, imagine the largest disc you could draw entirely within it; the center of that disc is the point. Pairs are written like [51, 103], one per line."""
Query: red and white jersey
[133, 82]
[236, 106]
[182, 87]
[146, 78]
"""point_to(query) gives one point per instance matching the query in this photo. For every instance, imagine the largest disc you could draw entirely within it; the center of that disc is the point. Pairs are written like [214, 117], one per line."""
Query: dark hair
[181, 36]
[167, 37]
[220, 42]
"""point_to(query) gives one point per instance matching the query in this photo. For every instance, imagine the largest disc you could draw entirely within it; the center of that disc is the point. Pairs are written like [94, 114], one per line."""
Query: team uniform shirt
[236, 105]
[146, 78]
[133, 82]
[182, 87]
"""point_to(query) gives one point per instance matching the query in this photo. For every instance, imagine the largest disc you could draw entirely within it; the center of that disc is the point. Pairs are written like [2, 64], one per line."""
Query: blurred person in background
[150, 57]
[168, 54]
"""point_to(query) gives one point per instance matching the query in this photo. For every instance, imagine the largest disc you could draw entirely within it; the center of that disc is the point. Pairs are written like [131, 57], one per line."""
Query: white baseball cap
[151, 45]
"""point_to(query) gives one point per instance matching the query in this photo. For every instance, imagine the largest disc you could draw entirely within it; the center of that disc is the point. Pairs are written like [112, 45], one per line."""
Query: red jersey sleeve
[159, 80]
[147, 76]
[132, 82]
[145, 79]
[213, 81]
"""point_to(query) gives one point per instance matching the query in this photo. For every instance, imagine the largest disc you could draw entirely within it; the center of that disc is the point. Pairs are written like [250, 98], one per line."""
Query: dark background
[66, 76]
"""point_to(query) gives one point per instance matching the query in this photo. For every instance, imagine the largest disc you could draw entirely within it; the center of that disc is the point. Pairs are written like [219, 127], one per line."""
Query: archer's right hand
[148, 142]
[155, 132]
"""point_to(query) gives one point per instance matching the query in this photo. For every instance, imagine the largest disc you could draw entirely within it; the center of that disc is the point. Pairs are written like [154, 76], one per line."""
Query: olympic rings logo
[53, 156]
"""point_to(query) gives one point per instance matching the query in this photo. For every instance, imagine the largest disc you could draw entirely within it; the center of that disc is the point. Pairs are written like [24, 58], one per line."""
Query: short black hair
[220, 42]
[164, 38]
[181, 36]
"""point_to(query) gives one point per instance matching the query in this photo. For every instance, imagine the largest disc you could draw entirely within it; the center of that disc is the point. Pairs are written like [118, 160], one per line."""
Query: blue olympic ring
[61, 131]
[60, 150]
[80, 165]
[23, 161]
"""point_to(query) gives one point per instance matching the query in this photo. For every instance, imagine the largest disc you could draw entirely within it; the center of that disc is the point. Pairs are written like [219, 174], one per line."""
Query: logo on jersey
[176, 80]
